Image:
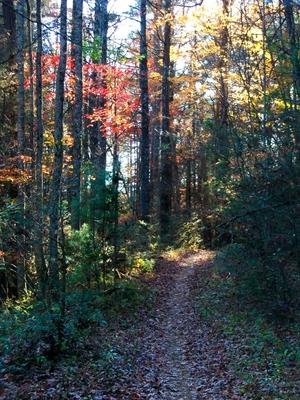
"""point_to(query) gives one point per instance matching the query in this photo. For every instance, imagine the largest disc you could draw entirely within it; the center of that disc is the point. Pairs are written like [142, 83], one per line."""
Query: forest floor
[170, 352]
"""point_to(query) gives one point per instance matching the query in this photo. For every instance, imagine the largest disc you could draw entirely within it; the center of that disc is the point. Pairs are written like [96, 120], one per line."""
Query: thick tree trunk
[98, 143]
[77, 112]
[166, 150]
[295, 61]
[145, 196]
[54, 198]
[8, 32]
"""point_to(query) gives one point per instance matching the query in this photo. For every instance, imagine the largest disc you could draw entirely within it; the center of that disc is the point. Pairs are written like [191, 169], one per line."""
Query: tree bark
[155, 130]
[166, 150]
[8, 33]
[222, 106]
[145, 196]
[295, 61]
[98, 143]
[39, 140]
[54, 198]
[77, 112]
[20, 42]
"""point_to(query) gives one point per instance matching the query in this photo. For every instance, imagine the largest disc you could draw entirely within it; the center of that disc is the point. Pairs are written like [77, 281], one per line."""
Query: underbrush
[33, 334]
[263, 353]
[103, 287]
[190, 234]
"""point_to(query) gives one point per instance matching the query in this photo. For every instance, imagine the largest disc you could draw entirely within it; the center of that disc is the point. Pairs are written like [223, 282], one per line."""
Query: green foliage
[266, 356]
[123, 298]
[89, 257]
[141, 263]
[258, 215]
[32, 333]
[140, 244]
[138, 236]
[190, 234]
[92, 50]
[245, 270]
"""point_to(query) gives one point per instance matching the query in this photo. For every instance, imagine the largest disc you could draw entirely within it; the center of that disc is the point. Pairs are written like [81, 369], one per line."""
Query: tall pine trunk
[166, 150]
[155, 130]
[77, 112]
[145, 196]
[20, 41]
[295, 61]
[98, 145]
[54, 198]
[222, 104]
[38, 231]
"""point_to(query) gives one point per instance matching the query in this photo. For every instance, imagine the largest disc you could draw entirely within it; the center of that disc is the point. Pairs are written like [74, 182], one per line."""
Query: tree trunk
[8, 33]
[115, 202]
[31, 87]
[295, 61]
[155, 131]
[166, 150]
[98, 135]
[39, 189]
[77, 112]
[222, 106]
[145, 196]
[20, 42]
[54, 198]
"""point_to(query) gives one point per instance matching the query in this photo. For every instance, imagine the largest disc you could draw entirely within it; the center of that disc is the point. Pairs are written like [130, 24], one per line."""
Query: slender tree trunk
[155, 131]
[39, 139]
[20, 41]
[54, 198]
[222, 107]
[188, 187]
[77, 112]
[145, 196]
[115, 201]
[166, 150]
[31, 86]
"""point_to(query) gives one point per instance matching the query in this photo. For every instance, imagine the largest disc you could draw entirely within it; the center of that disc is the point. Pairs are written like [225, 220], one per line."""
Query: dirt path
[167, 342]
[176, 360]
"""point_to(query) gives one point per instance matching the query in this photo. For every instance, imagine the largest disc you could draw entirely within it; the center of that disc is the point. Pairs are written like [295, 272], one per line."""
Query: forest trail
[169, 337]
[169, 354]
[179, 359]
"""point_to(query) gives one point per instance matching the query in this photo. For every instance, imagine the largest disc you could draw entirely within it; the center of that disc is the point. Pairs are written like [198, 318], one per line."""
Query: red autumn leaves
[111, 90]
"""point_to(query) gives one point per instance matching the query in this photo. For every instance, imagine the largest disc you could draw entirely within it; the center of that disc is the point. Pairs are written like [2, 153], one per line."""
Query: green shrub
[253, 280]
[89, 258]
[190, 234]
[32, 333]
